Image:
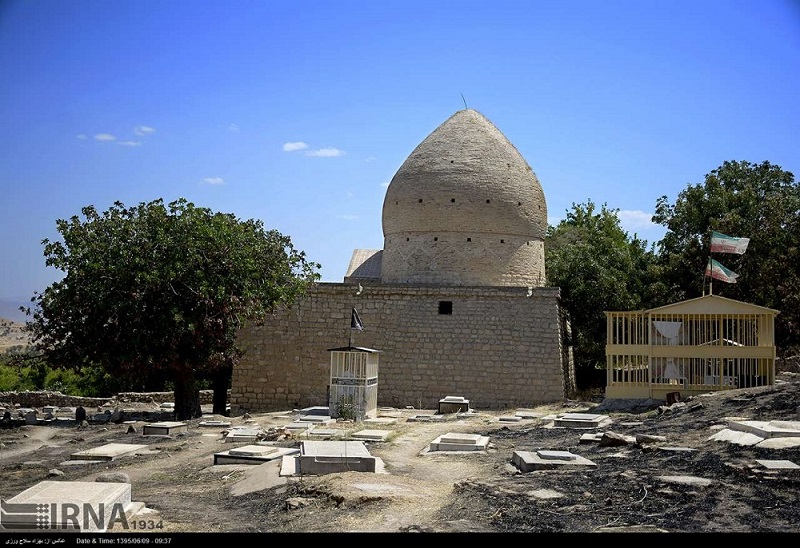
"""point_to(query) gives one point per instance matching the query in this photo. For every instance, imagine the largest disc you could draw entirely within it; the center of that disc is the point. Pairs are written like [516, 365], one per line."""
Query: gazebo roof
[711, 304]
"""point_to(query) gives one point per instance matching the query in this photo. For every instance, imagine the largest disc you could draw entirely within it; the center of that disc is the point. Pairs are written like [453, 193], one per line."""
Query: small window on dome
[452, 200]
[488, 201]
[407, 239]
[420, 200]
[469, 239]
[446, 307]
[435, 239]
[502, 241]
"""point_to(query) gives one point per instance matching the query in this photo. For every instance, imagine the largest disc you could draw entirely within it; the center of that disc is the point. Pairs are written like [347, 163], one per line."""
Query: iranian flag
[719, 272]
[721, 243]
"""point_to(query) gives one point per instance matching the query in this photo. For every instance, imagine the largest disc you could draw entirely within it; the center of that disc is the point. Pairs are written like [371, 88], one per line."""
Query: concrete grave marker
[528, 461]
[581, 420]
[371, 435]
[164, 428]
[326, 457]
[73, 505]
[253, 454]
[243, 433]
[108, 452]
[778, 464]
[459, 442]
[453, 404]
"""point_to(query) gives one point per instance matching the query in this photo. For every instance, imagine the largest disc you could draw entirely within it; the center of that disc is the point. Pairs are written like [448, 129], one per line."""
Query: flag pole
[711, 277]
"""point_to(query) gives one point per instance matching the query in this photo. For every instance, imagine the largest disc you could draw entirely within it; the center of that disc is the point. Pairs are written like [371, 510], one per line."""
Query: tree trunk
[221, 382]
[187, 396]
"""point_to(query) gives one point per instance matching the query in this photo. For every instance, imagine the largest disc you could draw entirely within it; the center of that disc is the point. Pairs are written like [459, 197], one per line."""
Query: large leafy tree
[599, 267]
[162, 289]
[740, 199]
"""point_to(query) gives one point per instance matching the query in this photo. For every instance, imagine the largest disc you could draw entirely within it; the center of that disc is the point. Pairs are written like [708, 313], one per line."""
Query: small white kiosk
[354, 383]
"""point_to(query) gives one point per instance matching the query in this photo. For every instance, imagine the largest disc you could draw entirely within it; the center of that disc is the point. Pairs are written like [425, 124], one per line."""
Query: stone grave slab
[528, 414]
[581, 420]
[459, 442]
[371, 435]
[673, 449]
[556, 455]
[778, 464]
[324, 433]
[590, 437]
[243, 433]
[108, 452]
[780, 443]
[389, 412]
[467, 414]
[253, 454]
[686, 480]
[214, 424]
[326, 457]
[317, 410]
[453, 404]
[768, 429]
[509, 418]
[738, 437]
[164, 428]
[71, 505]
[545, 494]
[426, 418]
[299, 426]
[381, 420]
[316, 419]
[528, 461]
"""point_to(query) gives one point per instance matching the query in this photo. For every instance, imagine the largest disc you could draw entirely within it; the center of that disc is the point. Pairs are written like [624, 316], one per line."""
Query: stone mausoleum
[456, 302]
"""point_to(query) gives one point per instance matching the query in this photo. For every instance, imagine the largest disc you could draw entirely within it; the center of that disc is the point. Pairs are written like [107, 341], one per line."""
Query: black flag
[355, 321]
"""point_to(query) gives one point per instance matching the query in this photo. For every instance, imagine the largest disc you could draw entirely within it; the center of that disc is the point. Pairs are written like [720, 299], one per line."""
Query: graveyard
[713, 463]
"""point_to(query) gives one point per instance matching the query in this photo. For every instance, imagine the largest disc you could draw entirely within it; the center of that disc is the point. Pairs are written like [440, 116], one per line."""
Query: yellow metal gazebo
[694, 346]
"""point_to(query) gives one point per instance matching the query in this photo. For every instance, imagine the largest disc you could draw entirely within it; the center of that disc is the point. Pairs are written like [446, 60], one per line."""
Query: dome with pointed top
[465, 208]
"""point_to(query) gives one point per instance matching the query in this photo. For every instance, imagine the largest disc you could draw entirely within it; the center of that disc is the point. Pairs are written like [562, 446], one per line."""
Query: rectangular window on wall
[445, 307]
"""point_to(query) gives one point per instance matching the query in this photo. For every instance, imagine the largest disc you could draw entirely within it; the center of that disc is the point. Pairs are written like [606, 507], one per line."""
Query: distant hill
[11, 335]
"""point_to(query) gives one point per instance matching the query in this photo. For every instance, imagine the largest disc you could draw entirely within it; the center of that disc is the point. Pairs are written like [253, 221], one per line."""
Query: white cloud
[635, 220]
[234, 128]
[130, 143]
[328, 152]
[291, 147]
[82, 136]
[386, 184]
[143, 130]
[214, 180]
[104, 137]
[348, 217]
[369, 159]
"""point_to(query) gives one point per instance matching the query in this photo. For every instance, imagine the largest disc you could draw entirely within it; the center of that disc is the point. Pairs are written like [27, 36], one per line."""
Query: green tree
[599, 268]
[740, 199]
[151, 290]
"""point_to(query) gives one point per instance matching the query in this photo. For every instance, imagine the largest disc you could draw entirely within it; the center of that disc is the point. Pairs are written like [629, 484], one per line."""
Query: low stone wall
[43, 398]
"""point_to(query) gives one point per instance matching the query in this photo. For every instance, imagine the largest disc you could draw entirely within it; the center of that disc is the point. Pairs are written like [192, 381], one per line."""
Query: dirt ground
[629, 490]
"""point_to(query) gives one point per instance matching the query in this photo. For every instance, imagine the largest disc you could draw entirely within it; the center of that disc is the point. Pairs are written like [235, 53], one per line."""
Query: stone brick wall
[499, 348]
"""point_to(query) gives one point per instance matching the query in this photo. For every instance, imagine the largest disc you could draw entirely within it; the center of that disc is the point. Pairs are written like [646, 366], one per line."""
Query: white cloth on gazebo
[670, 331]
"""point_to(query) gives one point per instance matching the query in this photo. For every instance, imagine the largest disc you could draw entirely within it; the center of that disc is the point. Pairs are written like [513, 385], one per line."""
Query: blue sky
[299, 113]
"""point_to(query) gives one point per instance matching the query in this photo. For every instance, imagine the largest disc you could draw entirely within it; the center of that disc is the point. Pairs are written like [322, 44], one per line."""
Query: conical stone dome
[464, 209]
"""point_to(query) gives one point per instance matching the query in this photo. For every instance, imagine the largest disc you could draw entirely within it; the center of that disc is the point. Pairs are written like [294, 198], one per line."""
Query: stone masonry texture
[499, 348]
